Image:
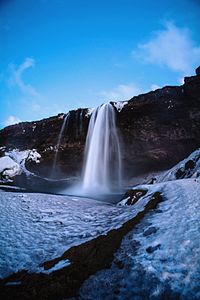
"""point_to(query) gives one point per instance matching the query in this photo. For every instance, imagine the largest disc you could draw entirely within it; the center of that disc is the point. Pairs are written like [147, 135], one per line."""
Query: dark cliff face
[162, 127]
[43, 136]
[158, 129]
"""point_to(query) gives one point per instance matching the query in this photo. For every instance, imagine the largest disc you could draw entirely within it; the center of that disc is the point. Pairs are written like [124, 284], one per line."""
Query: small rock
[153, 180]
[150, 231]
[190, 164]
[151, 249]
[134, 195]
[120, 264]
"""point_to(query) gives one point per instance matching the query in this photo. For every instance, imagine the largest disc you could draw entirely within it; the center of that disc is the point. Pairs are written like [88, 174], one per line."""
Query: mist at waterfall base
[102, 168]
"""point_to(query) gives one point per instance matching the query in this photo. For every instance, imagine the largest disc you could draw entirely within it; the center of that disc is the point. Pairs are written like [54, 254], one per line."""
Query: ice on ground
[160, 258]
[39, 227]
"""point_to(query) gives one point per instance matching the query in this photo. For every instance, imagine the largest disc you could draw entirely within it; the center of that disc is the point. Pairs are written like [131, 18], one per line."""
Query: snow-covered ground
[160, 258]
[40, 227]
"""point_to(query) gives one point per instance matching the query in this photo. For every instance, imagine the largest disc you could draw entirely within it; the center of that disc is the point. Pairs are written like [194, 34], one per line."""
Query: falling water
[102, 166]
[65, 123]
[79, 123]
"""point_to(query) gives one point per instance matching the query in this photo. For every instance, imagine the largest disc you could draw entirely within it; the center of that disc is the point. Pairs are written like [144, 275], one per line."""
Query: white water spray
[65, 123]
[102, 165]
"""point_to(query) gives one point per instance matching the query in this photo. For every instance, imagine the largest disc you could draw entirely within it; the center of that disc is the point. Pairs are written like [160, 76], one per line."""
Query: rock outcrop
[158, 129]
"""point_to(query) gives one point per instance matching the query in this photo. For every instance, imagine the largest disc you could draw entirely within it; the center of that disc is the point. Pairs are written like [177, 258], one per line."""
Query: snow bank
[9, 168]
[13, 163]
[21, 157]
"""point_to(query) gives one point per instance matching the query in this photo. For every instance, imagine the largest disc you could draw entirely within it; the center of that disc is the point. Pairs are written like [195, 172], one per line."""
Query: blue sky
[58, 55]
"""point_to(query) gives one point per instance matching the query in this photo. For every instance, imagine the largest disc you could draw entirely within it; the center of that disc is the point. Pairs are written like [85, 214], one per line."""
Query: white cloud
[11, 120]
[121, 92]
[16, 77]
[172, 47]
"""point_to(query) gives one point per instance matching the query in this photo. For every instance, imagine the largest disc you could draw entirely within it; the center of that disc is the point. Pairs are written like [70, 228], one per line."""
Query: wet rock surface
[158, 129]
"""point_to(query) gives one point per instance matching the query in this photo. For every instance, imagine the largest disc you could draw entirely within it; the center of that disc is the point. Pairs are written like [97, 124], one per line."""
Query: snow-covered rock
[13, 163]
[132, 196]
[187, 168]
[2, 149]
[89, 112]
[119, 105]
[21, 157]
[9, 168]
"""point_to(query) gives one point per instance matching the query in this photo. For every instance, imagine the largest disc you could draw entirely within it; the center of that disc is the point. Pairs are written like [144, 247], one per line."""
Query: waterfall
[102, 161]
[64, 124]
[79, 123]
